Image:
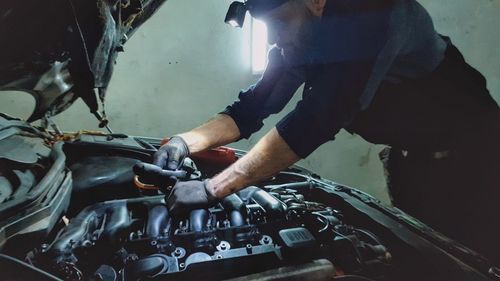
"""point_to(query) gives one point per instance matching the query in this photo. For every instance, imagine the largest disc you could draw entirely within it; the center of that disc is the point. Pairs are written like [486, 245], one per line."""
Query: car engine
[271, 229]
[74, 209]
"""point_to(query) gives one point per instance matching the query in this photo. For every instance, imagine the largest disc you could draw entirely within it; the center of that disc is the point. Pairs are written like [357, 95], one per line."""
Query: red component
[164, 141]
[223, 156]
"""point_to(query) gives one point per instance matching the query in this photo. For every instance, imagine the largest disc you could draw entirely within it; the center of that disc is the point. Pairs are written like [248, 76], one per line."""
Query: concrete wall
[185, 64]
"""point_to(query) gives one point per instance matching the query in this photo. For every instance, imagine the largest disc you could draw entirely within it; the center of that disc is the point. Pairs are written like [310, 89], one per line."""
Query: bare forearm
[217, 131]
[269, 156]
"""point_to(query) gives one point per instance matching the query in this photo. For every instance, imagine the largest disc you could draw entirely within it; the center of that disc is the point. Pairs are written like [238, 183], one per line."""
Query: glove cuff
[212, 199]
[177, 140]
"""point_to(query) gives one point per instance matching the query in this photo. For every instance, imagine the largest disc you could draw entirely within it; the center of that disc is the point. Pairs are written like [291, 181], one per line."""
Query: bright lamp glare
[259, 46]
[233, 23]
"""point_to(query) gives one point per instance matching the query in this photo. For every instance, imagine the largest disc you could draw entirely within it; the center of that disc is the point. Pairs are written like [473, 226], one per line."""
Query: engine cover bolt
[178, 253]
[266, 240]
[249, 248]
[223, 246]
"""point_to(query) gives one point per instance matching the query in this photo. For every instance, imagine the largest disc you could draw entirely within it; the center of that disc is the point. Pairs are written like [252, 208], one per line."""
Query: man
[378, 69]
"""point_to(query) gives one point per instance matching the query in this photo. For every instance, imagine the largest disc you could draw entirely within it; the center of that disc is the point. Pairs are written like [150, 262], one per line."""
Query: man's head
[288, 21]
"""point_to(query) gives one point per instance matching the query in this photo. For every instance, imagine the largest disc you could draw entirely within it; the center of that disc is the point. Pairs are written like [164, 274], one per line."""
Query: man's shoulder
[346, 8]
[353, 6]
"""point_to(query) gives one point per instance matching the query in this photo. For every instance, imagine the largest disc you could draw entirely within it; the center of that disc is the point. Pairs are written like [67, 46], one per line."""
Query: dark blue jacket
[376, 68]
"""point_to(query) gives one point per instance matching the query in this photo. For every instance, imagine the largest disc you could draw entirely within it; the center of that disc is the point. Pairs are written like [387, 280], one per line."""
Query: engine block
[256, 230]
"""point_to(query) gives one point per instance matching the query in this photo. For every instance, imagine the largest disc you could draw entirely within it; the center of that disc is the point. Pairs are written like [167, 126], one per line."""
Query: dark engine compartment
[83, 218]
[252, 231]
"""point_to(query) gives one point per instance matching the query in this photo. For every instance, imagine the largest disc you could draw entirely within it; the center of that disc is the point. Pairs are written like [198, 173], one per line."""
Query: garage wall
[185, 64]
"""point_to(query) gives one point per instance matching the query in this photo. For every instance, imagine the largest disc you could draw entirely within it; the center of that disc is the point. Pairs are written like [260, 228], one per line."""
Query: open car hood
[62, 50]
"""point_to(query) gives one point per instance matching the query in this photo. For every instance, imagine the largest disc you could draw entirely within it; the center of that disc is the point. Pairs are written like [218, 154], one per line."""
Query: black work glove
[171, 155]
[189, 195]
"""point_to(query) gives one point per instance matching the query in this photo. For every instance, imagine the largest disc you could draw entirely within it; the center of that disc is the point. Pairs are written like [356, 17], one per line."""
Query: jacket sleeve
[268, 96]
[330, 102]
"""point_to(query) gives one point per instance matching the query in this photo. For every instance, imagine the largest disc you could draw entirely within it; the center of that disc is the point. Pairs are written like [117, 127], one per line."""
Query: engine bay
[259, 229]
[73, 210]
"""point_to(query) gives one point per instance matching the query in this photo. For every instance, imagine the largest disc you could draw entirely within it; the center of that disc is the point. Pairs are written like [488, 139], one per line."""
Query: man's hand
[218, 131]
[190, 195]
[269, 156]
[171, 155]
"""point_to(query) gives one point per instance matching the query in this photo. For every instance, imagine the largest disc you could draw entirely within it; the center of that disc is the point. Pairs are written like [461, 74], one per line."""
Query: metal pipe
[157, 220]
[236, 209]
[198, 220]
[274, 208]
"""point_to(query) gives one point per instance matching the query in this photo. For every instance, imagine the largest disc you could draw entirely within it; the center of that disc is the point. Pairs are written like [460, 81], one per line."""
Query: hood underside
[62, 50]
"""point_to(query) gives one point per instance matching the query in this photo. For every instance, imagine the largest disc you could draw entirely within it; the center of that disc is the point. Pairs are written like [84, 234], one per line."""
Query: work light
[235, 16]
